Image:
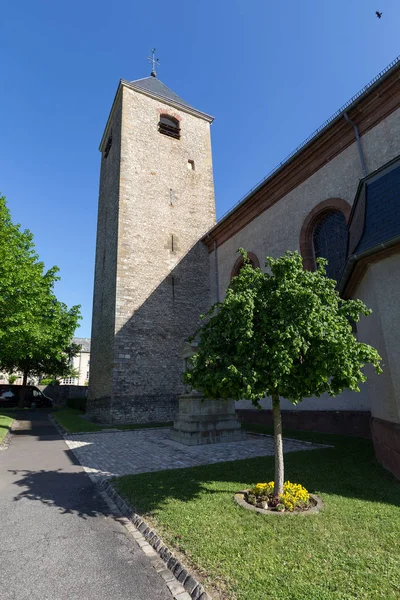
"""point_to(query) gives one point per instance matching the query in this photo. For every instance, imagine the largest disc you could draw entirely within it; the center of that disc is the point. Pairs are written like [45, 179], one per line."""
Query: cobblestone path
[113, 454]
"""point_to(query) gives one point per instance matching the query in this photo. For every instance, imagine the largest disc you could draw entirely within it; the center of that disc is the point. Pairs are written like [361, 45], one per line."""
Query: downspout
[360, 151]
[216, 271]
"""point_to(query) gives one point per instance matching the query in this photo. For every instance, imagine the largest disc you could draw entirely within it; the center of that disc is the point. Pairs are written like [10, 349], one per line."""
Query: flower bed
[295, 497]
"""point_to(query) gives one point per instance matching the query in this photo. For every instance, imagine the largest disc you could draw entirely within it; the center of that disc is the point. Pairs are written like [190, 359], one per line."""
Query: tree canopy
[35, 328]
[282, 333]
[285, 332]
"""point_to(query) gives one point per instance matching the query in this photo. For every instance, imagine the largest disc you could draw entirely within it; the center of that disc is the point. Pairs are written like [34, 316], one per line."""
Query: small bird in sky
[378, 14]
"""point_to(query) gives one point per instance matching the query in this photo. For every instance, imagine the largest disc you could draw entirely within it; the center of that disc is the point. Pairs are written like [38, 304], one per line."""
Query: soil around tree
[315, 506]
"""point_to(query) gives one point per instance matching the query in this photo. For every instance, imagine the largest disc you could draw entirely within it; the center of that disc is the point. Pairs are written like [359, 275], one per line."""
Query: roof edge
[319, 132]
[182, 107]
[111, 113]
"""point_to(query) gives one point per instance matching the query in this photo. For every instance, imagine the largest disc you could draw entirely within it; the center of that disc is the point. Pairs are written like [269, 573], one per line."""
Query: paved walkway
[128, 452]
[58, 540]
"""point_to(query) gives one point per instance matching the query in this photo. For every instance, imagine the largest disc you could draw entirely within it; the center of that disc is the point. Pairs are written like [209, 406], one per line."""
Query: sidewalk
[58, 540]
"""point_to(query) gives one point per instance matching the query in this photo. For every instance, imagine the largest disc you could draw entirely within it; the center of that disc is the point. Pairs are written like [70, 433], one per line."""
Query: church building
[162, 260]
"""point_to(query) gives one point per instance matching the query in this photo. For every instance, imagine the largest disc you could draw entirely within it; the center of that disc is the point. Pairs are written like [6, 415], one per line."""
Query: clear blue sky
[270, 73]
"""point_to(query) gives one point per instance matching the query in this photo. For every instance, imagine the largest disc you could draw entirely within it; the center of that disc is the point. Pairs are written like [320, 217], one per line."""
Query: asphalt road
[57, 538]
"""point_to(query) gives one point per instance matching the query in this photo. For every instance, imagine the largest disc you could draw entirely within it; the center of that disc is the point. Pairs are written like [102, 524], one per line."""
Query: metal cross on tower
[154, 63]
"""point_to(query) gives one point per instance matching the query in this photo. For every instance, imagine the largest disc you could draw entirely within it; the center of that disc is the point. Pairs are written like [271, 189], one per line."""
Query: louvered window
[169, 126]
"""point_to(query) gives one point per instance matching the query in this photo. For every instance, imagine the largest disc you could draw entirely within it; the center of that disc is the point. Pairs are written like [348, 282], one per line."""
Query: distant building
[4, 378]
[80, 362]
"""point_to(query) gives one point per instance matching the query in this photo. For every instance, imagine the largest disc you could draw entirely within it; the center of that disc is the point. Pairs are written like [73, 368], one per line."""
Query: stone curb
[181, 583]
[8, 437]
[57, 425]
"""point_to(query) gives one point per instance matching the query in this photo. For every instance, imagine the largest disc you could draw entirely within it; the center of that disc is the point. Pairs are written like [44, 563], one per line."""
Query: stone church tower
[152, 277]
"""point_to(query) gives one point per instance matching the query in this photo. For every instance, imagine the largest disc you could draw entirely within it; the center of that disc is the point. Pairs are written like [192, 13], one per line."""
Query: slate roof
[155, 86]
[379, 208]
[83, 342]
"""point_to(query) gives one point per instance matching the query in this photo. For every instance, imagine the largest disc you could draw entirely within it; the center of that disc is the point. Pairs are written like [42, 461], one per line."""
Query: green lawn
[351, 550]
[71, 420]
[5, 424]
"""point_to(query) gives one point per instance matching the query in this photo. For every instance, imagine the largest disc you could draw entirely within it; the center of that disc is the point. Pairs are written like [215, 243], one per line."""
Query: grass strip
[71, 420]
[351, 550]
[5, 425]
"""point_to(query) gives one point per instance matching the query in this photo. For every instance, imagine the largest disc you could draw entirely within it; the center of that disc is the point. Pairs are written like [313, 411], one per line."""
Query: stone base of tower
[119, 410]
[201, 421]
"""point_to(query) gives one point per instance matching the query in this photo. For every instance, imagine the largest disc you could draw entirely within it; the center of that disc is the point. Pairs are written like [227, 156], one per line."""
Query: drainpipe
[360, 151]
[216, 271]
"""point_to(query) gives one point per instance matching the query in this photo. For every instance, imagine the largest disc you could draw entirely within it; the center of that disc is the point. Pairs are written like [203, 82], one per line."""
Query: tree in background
[35, 328]
[284, 333]
[60, 369]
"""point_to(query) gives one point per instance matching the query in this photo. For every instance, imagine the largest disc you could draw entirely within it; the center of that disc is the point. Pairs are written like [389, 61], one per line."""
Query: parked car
[10, 394]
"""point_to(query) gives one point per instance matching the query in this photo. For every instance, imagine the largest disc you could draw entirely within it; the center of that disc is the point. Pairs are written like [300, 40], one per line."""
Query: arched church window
[169, 126]
[324, 234]
[330, 241]
[239, 264]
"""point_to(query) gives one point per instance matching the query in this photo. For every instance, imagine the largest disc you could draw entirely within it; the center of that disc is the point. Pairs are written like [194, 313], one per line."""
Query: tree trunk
[279, 468]
[23, 390]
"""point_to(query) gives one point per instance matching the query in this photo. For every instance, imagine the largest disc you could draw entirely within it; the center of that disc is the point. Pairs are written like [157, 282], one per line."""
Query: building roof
[155, 86]
[84, 343]
[374, 223]
[382, 210]
[367, 108]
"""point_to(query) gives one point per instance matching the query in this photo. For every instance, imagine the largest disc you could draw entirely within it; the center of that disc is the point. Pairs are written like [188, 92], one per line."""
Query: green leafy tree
[62, 367]
[35, 328]
[284, 333]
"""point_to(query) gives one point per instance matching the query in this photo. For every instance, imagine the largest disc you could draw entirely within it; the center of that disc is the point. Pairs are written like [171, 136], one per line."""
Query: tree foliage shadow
[349, 470]
[69, 493]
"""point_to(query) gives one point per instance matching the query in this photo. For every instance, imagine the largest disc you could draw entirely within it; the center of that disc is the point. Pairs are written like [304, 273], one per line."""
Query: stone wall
[103, 320]
[380, 289]
[342, 422]
[61, 393]
[162, 270]
[278, 228]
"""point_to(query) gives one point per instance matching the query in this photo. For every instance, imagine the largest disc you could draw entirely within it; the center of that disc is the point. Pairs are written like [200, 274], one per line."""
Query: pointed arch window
[168, 125]
[324, 234]
[330, 242]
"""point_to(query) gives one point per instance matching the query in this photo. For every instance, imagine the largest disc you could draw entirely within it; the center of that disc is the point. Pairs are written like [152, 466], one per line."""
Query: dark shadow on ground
[69, 493]
[35, 423]
[349, 469]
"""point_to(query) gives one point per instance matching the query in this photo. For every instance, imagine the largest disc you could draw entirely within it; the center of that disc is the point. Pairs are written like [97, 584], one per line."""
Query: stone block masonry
[152, 273]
